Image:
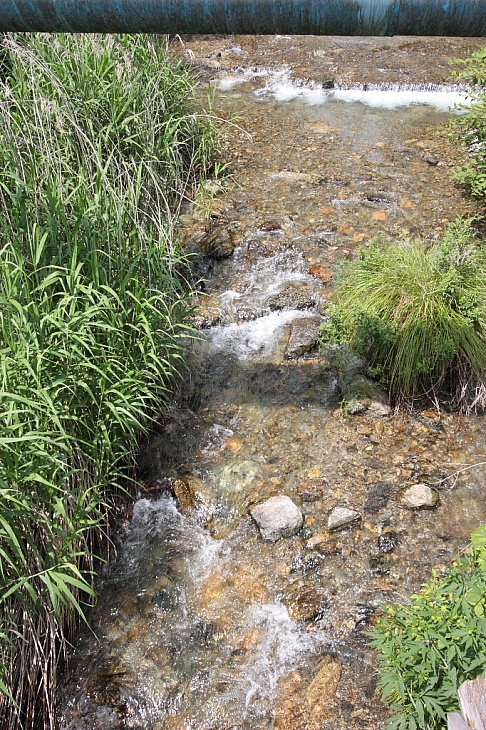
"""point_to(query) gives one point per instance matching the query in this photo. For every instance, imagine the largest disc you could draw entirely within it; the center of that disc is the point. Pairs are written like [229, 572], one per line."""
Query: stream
[201, 624]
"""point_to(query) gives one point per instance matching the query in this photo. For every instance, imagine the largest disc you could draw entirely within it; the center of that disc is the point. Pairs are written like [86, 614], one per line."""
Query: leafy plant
[427, 648]
[417, 313]
[469, 129]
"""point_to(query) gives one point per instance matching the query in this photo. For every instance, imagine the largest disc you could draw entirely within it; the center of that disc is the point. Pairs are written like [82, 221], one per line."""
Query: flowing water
[201, 624]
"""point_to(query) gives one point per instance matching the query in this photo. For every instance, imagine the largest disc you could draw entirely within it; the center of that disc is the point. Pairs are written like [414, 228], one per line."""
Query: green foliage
[427, 648]
[99, 140]
[469, 130]
[418, 314]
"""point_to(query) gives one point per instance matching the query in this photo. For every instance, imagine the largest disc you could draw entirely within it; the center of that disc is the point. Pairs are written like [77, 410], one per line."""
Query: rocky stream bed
[202, 624]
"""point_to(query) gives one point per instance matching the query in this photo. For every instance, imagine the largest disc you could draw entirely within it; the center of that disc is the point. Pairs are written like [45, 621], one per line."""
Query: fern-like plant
[427, 648]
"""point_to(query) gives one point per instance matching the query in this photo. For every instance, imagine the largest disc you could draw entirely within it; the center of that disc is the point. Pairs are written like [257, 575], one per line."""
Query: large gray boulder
[304, 333]
[277, 517]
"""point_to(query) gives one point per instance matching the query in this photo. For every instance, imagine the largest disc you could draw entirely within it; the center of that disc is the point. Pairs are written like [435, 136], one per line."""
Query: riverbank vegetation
[429, 647]
[100, 139]
[417, 313]
[469, 129]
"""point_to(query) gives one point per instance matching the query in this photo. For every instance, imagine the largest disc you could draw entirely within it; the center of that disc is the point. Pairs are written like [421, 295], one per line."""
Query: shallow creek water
[201, 624]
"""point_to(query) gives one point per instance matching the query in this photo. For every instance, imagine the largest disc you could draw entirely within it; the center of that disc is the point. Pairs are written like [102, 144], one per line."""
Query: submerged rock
[359, 392]
[418, 496]
[277, 517]
[323, 687]
[293, 295]
[184, 493]
[305, 603]
[342, 517]
[304, 333]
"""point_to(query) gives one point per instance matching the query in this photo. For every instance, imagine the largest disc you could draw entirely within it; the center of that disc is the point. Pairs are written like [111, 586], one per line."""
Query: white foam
[280, 86]
[283, 647]
[255, 339]
[215, 439]
[444, 99]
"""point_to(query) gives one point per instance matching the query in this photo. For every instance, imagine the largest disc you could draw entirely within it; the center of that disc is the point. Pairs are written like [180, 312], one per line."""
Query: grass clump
[417, 313]
[426, 649]
[99, 141]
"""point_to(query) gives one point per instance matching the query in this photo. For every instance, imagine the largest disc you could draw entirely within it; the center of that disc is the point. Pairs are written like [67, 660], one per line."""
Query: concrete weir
[248, 17]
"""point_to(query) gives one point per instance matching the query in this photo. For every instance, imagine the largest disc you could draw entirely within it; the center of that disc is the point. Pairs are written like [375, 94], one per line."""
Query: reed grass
[99, 141]
[417, 313]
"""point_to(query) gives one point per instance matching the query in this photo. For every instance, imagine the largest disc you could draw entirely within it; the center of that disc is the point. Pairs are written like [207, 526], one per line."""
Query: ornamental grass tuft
[417, 312]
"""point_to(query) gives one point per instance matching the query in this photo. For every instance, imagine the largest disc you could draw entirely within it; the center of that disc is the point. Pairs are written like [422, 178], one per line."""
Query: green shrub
[469, 130]
[427, 648]
[99, 141]
[418, 314]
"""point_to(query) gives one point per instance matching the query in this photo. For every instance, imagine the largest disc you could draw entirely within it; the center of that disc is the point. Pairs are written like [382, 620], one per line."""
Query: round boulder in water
[418, 496]
[277, 517]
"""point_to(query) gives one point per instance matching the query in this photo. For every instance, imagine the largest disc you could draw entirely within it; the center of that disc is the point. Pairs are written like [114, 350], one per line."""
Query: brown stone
[269, 226]
[320, 272]
[233, 443]
[310, 490]
[318, 541]
[320, 693]
[305, 603]
[249, 640]
[184, 494]
[290, 706]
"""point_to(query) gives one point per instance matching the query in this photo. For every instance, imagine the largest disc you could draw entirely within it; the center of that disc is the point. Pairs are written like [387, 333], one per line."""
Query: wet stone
[387, 541]
[270, 226]
[317, 542]
[322, 689]
[320, 272]
[311, 490]
[378, 497]
[277, 517]
[380, 565]
[291, 296]
[303, 336]
[342, 517]
[418, 496]
[184, 493]
[305, 603]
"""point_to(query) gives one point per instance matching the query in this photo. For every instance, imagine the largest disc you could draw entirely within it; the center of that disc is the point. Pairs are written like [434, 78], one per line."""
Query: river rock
[293, 296]
[291, 709]
[277, 517]
[342, 517]
[305, 603]
[270, 226]
[321, 691]
[418, 496]
[184, 493]
[304, 333]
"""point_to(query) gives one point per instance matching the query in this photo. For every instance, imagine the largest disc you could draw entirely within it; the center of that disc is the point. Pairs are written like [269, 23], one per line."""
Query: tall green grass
[99, 141]
[417, 313]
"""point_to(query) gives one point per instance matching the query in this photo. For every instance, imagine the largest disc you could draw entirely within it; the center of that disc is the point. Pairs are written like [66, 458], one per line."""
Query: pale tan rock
[290, 706]
[320, 693]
